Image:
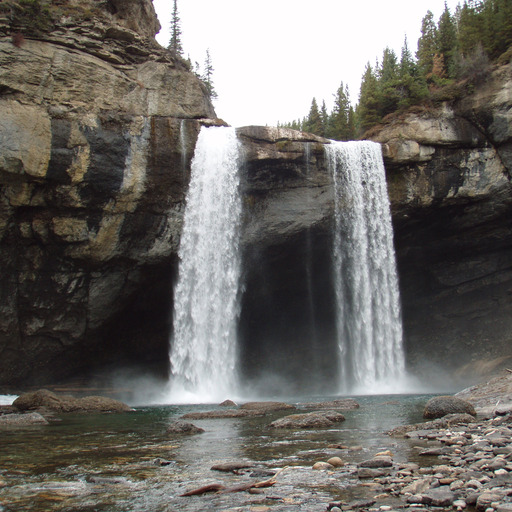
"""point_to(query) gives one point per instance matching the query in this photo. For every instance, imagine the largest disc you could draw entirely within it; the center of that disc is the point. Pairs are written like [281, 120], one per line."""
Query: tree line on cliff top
[452, 56]
[176, 47]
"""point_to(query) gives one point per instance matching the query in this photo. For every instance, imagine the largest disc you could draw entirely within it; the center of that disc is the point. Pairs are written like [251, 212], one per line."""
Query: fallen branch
[204, 490]
[222, 489]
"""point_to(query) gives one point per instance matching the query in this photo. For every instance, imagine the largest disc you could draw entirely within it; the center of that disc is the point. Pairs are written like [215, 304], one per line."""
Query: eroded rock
[440, 406]
[320, 419]
[64, 403]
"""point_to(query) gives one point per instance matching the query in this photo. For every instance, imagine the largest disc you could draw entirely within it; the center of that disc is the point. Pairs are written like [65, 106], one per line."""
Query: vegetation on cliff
[452, 56]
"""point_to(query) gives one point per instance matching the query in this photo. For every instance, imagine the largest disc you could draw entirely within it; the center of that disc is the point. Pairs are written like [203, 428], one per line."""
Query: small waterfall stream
[369, 318]
[206, 300]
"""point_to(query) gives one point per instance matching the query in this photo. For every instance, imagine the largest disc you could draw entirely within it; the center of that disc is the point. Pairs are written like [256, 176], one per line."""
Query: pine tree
[313, 123]
[427, 46]
[208, 76]
[175, 41]
[470, 29]
[407, 65]
[367, 111]
[388, 84]
[324, 118]
[339, 121]
[446, 42]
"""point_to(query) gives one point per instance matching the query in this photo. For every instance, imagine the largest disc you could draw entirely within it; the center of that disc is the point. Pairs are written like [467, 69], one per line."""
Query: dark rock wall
[97, 133]
[449, 184]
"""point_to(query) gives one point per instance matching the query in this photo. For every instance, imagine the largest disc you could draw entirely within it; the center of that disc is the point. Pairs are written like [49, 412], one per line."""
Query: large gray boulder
[440, 406]
[44, 399]
[320, 419]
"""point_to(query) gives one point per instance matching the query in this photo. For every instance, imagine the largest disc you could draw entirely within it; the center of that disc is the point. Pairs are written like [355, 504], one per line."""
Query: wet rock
[162, 462]
[183, 427]
[322, 419]
[366, 473]
[422, 430]
[322, 465]
[101, 480]
[22, 420]
[486, 500]
[377, 462]
[267, 406]
[429, 452]
[227, 403]
[231, 467]
[227, 413]
[336, 462]
[66, 403]
[345, 404]
[361, 504]
[418, 486]
[440, 406]
[440, 497]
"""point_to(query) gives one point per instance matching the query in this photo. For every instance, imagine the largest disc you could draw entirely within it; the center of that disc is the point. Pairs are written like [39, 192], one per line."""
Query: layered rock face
[449, 175]
[97, 131]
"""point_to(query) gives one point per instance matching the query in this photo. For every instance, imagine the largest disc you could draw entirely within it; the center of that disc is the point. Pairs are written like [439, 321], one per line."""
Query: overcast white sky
[271, 57]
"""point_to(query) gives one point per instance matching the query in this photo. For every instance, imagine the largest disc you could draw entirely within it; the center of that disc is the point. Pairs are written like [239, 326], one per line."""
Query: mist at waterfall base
[204, 353]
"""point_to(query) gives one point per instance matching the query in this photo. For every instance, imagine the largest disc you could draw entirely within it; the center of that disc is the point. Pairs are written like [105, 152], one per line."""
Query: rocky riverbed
[381, 457]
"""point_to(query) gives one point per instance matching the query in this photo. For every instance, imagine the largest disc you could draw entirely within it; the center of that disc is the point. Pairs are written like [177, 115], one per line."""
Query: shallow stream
[128, 462]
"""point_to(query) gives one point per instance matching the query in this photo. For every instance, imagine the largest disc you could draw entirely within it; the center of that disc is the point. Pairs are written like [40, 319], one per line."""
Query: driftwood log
[222, 489]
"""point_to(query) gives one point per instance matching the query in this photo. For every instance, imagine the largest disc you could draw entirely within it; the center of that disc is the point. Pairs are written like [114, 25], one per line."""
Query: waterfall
[206, 302]
[368, 304]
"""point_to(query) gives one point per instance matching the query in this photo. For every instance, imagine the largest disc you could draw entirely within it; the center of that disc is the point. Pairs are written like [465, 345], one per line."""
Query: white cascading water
[203, 349]
[369, 322]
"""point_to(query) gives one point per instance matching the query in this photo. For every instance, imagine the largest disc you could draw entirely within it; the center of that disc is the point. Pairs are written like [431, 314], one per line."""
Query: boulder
[231, 467]
[227, 413]
[22, 420]
[183, 427]
[64, 403]
[267, 406]
[322, 466]
[344, 404]
[321, 419]
[227, 403]
[377, 462]
[440, 406]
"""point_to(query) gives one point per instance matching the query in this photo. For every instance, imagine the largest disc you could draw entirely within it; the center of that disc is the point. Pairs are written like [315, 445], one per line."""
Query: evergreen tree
[497, 20]
[339, 121]
[313, 123]
[407, 65]
[367, 111]
[446, 42]
[175, 41]
[427, 46]
[388, 84]
[324, 117]
[208, 75]
[469, 29]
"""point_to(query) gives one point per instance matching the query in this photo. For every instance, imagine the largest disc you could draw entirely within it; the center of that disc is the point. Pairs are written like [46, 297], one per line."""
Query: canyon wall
[449, 171]
[97, 132]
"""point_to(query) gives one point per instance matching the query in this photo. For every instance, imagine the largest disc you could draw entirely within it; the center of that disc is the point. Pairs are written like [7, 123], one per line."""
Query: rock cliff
[449, 171]
[97, 132]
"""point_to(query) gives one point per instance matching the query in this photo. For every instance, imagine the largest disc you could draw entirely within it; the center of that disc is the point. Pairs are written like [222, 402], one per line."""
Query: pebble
[322, 465]
[473, 469]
